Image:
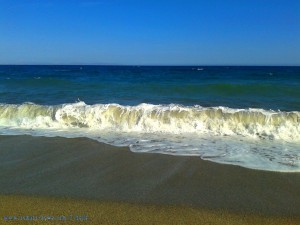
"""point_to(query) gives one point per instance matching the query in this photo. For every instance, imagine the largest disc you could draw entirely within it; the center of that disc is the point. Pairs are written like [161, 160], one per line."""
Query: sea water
[247, 116]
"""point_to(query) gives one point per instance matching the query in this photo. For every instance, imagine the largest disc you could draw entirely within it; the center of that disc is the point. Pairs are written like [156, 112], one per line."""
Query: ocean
[246, 116]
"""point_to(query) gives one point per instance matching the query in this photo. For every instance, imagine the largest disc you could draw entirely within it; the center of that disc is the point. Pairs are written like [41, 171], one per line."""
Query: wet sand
[83, 170]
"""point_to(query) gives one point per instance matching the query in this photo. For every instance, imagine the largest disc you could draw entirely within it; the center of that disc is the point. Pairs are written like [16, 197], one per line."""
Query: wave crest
[147, 118]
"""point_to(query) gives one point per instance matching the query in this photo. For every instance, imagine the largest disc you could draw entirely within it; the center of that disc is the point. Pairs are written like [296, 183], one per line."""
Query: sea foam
[147, 118]
[254, 138]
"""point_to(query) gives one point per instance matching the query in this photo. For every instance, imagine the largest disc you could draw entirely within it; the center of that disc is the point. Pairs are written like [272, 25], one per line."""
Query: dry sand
[137, 188]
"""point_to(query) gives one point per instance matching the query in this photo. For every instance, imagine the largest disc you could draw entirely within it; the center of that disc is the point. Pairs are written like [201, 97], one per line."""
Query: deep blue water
[236, 87]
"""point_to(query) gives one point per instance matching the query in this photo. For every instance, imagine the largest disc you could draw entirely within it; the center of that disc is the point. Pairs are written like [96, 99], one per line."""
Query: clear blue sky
[135, 32]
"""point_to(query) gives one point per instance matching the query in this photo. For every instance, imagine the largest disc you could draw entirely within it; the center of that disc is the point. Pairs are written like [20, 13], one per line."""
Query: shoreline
[86, 170]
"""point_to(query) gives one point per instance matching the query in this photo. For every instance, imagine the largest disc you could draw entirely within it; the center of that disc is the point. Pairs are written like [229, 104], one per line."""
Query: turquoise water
[247, 116]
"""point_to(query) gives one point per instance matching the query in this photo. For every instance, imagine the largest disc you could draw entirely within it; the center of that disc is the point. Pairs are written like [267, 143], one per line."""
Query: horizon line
[154, 65]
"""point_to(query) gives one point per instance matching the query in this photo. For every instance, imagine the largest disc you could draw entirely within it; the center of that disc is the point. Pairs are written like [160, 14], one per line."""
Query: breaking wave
[253, 138]
[147, 118]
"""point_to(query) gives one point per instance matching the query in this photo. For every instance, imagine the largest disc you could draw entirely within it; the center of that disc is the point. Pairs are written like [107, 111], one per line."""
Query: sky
[150, 32]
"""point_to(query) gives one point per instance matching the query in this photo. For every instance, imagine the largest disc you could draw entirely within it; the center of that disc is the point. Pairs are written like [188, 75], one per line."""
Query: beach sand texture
[115, 186]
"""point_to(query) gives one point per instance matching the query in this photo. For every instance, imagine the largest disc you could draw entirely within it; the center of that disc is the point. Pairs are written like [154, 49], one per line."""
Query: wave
[252, 138]
[147, 118]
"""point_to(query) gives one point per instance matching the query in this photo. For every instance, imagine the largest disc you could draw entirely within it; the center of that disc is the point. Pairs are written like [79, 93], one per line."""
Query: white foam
[253, 138]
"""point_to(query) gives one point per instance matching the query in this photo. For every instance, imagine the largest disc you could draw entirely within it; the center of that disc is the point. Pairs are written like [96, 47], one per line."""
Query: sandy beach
[110, 185]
